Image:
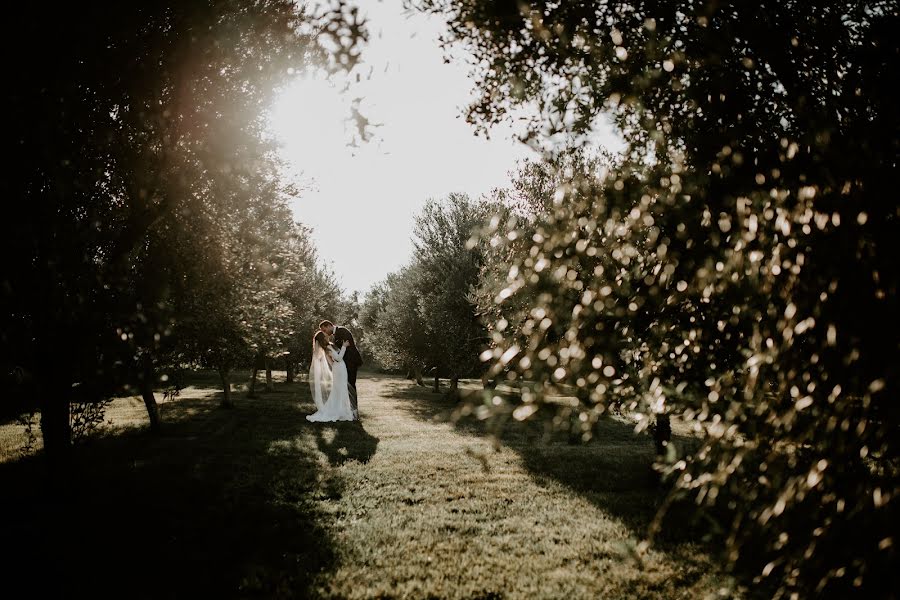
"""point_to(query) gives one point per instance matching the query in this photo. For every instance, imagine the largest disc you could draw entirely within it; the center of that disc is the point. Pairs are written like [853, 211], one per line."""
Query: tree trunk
[56, 426]
[487, 383]
[454, 386]
[150, 403]
[417, 372]
[437, 385]
[148, 376]
[662, 433]
[251, 393]
[289, 372]
[225, 374]
[152, 407]
[269, 385]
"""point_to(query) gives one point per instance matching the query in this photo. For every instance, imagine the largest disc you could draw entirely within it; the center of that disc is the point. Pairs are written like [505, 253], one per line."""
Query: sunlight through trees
[151, 226]
[735, 267]
[730, 276]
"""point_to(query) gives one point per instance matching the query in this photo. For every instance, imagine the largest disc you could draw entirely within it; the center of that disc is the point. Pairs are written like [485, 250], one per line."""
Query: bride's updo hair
[321, 339]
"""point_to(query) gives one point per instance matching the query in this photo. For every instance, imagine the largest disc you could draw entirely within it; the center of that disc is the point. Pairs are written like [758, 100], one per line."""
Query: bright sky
[361, 202]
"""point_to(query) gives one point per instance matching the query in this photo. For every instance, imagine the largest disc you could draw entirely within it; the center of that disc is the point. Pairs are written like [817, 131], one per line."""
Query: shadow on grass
[614, 470]
[217, 506]
[343, 442]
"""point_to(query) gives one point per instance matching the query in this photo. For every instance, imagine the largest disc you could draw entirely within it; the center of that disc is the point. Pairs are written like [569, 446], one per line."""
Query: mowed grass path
[257, 502]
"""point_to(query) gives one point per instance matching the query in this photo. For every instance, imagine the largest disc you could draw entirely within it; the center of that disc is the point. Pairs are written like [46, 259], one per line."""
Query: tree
[449, 260]
[303, 283]
[138, 134]
[394, 327]
[737, 266]
[424, 316]
[520, 217]
[371, 308]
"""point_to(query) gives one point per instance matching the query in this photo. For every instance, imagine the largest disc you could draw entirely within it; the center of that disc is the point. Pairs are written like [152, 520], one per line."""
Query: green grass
[257, 502]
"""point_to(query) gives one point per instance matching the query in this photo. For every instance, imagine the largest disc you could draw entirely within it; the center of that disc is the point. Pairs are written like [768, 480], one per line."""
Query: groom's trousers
[351, 380]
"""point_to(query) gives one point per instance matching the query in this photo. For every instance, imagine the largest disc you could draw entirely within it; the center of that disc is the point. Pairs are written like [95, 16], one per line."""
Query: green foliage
[424, 316]
[393, 325]
[536, 195]
[27, 421]
[449, 261]
[87, 417]
[307, 286]
[152, 227]
[735, 269]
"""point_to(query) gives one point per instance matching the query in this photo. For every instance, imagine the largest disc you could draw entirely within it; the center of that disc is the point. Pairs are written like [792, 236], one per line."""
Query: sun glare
[309, 121]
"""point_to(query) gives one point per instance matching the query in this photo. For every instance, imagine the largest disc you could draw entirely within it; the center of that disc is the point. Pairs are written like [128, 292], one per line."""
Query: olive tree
[735, 268]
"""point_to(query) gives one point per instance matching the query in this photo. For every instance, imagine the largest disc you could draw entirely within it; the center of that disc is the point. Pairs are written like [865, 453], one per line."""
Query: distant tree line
[420, 319]
[439, 316]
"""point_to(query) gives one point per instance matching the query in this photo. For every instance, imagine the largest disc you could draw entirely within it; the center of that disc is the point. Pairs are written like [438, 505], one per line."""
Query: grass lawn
[257, 502]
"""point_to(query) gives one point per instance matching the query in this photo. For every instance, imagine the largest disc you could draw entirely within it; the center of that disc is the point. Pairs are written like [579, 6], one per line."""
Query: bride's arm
[339, 355]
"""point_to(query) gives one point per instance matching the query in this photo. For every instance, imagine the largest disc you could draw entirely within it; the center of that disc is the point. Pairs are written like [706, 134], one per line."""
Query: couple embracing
[332, 374]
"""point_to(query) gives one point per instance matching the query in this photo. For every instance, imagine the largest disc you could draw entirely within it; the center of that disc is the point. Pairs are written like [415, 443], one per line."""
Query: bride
[328, 382]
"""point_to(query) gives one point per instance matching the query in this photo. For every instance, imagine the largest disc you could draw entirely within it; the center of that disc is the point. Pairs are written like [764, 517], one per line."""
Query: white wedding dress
[329, 387]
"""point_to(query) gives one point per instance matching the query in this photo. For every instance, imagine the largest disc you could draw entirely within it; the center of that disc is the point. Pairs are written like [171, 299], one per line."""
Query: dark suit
[352, 358]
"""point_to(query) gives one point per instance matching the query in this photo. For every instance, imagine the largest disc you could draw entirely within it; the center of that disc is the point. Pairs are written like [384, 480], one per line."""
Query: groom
[352, 357]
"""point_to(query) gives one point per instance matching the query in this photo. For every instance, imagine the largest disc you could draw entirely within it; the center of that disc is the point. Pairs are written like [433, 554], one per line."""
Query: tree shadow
[614, 470]
[216, 506]
[343, 442]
